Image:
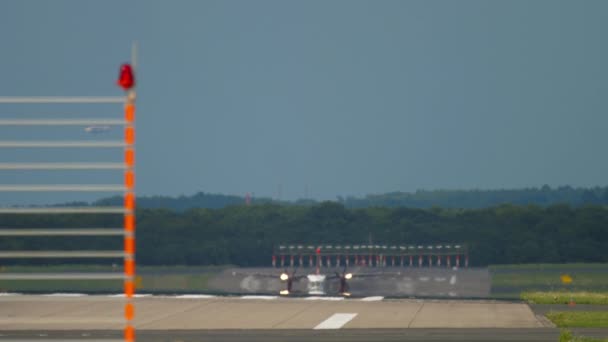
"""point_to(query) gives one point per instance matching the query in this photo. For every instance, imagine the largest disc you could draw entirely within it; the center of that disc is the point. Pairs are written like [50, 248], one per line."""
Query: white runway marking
[194, 296]
[453, 280]
[65, 295]
[439, 279]
[424, 278]
[323, 298]
[259, 297]
[336, 321]
[372, 299]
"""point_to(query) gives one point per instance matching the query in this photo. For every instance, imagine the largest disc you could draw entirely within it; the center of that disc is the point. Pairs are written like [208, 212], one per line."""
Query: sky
[319, 98]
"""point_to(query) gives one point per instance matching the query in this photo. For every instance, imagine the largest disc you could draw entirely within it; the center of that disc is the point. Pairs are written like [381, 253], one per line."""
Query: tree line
[245, 235]
[425, 199]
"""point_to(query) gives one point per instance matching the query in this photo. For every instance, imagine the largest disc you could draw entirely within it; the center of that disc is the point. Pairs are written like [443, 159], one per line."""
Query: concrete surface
[28, 312]
[348, 335]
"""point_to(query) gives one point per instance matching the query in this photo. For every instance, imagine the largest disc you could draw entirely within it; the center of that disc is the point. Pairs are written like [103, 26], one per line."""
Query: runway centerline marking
[335, 321]
[193, 296]
[259, 297]
[453, 280]
[323, 298]
[372, 299]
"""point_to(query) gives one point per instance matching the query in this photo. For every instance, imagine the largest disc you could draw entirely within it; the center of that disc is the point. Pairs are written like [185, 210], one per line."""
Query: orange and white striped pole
[127, 82]
[129, 219]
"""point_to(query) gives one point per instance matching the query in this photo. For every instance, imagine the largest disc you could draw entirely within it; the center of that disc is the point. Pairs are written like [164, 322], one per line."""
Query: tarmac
[354, 335]
[189, 318]
[99, 313]
[29, 312]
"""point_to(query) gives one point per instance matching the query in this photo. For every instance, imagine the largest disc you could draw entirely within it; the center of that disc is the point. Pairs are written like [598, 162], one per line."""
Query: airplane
[317, 281]
[97, 129]
[344, 277]
[289, 279]
[285, 277]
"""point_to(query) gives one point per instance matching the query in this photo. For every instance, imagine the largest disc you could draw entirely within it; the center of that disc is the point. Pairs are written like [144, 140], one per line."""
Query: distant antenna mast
[247, 199]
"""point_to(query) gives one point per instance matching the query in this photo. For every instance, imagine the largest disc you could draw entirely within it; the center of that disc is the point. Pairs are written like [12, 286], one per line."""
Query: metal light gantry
[127, 231]
[370, 254]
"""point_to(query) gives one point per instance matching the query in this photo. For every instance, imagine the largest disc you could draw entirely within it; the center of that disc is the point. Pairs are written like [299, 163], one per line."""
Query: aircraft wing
[372, 275]
[255, 274]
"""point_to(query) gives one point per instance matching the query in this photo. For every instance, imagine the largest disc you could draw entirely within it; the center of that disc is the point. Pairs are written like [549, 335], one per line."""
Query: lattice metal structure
[125, 150]
[380, 255]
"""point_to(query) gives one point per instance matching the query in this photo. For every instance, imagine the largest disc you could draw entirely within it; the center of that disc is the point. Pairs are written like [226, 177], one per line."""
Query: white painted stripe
[61, 122]
[63, 99]
[43, 338]
[62, 166]
[336, 321]
[439, 279]
[259, 297]
[62, 254]
[62, 232]
[323, 298]
[65, 210]
[194, 296]
[424, 278]
[453, 280]
[65, 295]
[61, 187]
[61, 276]
[372, 299]
[62, 144]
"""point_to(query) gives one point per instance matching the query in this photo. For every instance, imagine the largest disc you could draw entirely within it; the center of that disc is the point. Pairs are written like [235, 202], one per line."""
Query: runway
[190, 318]
[27, 312]
[359, 335]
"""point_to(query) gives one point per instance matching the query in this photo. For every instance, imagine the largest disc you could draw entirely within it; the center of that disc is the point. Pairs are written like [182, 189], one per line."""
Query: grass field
[511, 280]
[567, 336]
[579, 319]
[563, 297]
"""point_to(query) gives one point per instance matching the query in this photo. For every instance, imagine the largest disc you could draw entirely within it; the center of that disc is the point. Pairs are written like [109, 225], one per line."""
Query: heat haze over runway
[387, 281]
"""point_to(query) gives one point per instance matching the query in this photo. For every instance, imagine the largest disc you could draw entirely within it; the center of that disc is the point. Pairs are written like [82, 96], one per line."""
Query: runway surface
[354, 335]
[190, 318]
[27, 312]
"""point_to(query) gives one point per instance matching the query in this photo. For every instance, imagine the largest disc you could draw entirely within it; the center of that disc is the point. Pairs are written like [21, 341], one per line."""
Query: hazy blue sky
[342, 97]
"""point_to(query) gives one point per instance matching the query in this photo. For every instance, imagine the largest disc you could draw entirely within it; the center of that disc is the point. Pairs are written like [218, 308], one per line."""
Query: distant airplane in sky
[97, 129]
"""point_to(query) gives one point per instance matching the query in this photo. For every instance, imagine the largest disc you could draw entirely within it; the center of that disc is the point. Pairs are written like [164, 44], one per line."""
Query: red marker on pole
[126, 77]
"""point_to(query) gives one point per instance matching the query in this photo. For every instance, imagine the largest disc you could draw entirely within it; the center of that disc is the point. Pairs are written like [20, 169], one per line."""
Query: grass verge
[567, 336]
[579, 319]
[563, 297]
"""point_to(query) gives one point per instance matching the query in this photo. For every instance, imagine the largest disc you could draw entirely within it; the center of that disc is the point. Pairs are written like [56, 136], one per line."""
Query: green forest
[245, 235]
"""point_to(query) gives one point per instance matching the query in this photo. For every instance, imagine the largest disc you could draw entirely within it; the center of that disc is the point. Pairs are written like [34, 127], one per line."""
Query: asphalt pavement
[353, 335]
